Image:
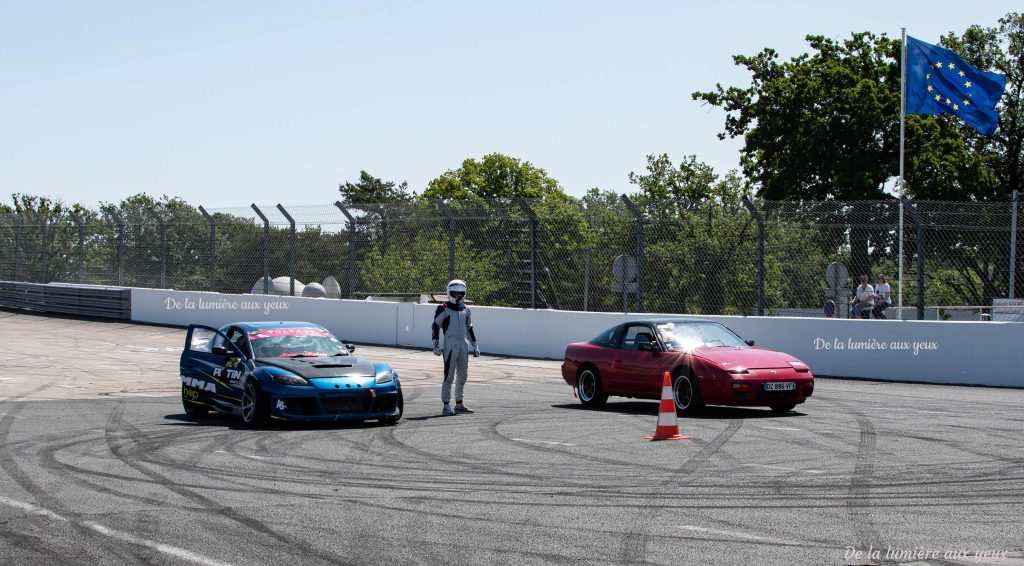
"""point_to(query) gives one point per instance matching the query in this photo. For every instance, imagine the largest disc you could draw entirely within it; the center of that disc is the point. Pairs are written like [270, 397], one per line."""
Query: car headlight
[800, 366]
[289, 379]
[386, 377]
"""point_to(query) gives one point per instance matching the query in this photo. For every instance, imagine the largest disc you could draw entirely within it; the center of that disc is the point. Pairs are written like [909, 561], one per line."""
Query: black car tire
[686, 393]
[401, 409]
[782, 408]
[255, 406]
[589, 388]
[194, 409]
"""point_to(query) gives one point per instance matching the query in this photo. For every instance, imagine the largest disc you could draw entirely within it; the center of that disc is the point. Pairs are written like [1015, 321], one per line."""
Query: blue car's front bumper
[335, 400]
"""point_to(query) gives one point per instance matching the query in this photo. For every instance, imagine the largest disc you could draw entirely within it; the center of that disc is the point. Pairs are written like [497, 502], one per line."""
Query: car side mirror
[749, 342]
[648, 347]
[221, 351]
[350, 347]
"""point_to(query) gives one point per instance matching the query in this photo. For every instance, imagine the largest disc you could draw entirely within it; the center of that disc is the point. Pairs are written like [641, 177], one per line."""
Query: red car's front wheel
[686, 393]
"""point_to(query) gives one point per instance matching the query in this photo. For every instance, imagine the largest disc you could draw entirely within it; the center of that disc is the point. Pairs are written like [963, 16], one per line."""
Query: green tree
[825, 125]
[494, 176]
[692, 180]
[819, 126]
[1000, 159]
[373, 190]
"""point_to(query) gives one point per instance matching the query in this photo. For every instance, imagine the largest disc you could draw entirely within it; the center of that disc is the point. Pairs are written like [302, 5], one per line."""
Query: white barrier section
[357, 321]
[979, 353]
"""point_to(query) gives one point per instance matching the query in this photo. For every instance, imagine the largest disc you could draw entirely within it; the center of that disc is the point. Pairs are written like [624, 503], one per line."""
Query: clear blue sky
[227, 103]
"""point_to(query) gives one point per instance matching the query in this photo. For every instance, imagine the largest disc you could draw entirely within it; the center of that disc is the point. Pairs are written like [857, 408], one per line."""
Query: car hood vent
[312, 368]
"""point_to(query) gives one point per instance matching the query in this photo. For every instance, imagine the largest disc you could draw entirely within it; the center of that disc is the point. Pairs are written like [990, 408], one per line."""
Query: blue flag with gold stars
[940, 82]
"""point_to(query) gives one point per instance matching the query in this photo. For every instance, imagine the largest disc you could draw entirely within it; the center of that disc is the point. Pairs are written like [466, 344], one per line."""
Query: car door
[636, 371]
[212, 367]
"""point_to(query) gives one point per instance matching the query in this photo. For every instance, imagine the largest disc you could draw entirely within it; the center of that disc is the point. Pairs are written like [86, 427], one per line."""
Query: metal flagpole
[903, 119]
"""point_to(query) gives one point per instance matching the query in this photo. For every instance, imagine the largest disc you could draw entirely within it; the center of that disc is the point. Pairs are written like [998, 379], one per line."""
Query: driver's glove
[476, 350]
[437, 349]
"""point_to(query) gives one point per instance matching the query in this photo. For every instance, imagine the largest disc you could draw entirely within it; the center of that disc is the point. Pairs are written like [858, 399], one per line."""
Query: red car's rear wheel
[588, 387]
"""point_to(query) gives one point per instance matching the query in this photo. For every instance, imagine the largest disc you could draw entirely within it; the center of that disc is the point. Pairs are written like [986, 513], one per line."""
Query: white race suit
[455, 322]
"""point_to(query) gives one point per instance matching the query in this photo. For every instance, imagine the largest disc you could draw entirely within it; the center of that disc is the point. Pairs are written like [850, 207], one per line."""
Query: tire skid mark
[119, 432]
[635, 543]
[493, 432]
[11, 467]
[858, 505]
[390, 438]
[518, 525]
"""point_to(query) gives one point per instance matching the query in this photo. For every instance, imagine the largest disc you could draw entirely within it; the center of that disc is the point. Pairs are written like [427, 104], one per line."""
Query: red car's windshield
[295, 343]
[692, 335]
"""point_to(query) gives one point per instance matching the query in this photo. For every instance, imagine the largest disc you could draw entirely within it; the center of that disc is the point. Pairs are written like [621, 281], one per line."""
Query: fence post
[213, 248]
[120, 245]
[162, 225]
[533, 248]
[760, 252]
[351, 248]
[919, 223]
[81, 246]
[291, 252]
[639, 215]
[1013, 245]
[46, 243]
[266, 248]
[17, 245]
[586, 278]
[451, 236]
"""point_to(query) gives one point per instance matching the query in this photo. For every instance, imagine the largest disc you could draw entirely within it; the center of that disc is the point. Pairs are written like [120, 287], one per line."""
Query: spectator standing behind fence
[864, 299]
[883, 298]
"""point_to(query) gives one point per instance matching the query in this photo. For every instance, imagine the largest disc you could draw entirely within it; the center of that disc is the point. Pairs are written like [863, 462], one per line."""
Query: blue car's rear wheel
[194, 408]
[255, 407]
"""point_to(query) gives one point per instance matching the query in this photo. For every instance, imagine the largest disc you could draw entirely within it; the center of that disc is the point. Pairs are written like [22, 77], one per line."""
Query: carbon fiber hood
[312, 368]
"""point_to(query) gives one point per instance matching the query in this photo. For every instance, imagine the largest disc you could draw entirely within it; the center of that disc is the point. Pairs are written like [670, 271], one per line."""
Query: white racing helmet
[456, 286]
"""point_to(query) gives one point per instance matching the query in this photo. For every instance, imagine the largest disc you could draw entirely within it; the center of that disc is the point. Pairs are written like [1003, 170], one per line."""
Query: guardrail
[64, 298]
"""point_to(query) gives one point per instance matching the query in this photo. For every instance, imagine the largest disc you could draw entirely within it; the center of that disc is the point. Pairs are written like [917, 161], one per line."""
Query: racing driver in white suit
[452, 319]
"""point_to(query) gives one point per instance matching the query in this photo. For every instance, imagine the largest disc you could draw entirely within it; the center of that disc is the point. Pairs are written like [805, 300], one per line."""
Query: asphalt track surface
[99, 465]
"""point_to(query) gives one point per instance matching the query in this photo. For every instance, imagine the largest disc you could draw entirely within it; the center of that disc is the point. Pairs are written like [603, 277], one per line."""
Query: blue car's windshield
[295, 343]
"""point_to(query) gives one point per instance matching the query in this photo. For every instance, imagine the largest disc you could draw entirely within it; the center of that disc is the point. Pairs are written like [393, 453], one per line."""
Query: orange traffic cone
[668, 425]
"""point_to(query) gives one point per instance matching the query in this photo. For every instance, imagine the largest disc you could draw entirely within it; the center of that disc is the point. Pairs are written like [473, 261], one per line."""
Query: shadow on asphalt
[235, 423]
[711, 413]
[427, 417]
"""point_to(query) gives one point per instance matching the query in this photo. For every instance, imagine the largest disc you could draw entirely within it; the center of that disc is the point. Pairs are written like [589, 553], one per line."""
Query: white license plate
[780, 386]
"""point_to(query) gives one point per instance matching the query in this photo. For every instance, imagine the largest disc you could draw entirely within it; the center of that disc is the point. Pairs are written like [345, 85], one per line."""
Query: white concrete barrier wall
[980, 353]
[357, 321]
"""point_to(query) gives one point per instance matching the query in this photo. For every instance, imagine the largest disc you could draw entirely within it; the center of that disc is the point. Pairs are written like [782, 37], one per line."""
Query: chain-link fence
[640, 255]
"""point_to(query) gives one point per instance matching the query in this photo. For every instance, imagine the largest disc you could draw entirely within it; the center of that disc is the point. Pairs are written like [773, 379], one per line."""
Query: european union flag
[940, 82]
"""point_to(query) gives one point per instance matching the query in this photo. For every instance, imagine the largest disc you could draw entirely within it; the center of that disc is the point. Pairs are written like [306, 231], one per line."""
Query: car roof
[667, 319]
[273, 324]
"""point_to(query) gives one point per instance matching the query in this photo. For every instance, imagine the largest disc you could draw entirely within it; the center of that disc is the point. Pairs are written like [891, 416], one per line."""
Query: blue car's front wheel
[255, 406]
[400, 404]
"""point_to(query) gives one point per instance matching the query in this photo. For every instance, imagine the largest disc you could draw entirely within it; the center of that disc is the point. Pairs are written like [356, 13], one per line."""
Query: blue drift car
[283, 371]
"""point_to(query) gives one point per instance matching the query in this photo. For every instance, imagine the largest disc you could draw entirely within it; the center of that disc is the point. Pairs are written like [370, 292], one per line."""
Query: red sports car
[709, 364]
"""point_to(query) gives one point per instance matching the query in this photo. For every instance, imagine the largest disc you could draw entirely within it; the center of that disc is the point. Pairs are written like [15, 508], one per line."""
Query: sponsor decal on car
[234, 375]
[271, 332]
[199, 384]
